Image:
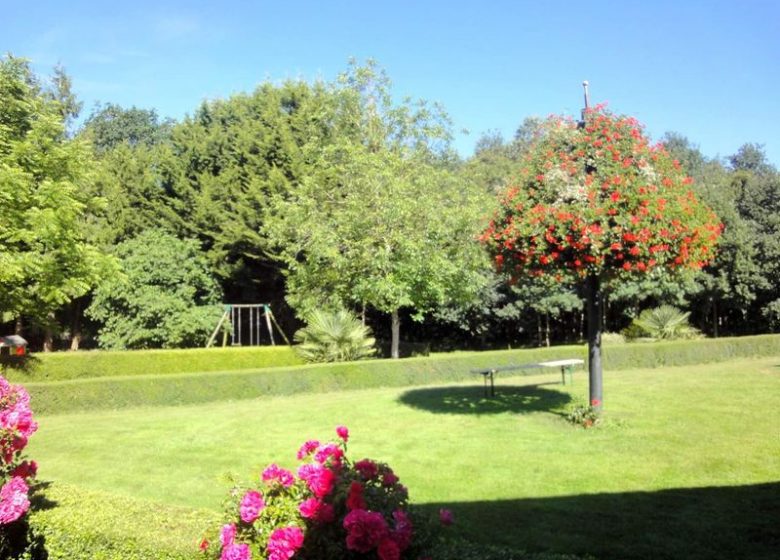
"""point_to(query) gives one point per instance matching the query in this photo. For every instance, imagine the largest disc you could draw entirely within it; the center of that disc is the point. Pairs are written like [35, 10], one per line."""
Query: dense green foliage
[53, 397]
[336, 336]
[83, 365]
[322, 194]
[45, 179]
[165, 298]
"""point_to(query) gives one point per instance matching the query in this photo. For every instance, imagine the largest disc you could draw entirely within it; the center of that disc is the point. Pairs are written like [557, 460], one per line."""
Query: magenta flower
[319, 479]
[13, 500]
[329, 452]
[388, 550]
[251, 505]
[355, 498]
[403, 531]
[343, 433]
[228, 534]
[446, 517]
[273, 473]
[25, 469]
[388, 477]
[307, 449]
[284, 543]
[365, 530]
[235, 551]
[367, 468]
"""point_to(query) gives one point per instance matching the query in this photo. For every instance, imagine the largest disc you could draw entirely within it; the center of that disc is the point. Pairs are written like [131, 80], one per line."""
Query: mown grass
[686, 465]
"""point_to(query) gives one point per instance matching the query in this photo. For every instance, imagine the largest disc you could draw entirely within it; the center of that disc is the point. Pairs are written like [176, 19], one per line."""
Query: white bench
[567, 367]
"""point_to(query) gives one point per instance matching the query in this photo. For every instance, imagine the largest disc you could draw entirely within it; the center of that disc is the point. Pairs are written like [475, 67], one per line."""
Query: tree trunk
[48, 336]
[547, 330]
[715, 317]
[395, 333]
[593, 287]
[75, 326]
[539, 329]
[19, 326]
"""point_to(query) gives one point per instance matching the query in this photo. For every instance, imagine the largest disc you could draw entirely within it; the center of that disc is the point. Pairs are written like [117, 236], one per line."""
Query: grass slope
[687, 465]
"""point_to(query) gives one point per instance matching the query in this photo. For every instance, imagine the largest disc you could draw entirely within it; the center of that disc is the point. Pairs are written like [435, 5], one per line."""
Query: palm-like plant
[334, 337]
[665, 323]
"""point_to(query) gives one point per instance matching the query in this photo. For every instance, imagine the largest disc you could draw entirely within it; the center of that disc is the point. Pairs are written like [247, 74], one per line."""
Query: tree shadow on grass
[472, 400]
[711, 523]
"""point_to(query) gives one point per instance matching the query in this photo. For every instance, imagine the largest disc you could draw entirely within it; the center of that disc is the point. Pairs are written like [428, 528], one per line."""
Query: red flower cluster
[597, 199]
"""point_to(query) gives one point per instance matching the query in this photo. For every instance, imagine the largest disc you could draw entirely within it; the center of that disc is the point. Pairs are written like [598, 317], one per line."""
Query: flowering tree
[595, 201]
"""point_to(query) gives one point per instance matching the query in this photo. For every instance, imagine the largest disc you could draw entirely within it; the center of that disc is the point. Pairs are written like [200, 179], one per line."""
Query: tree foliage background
[323, 194]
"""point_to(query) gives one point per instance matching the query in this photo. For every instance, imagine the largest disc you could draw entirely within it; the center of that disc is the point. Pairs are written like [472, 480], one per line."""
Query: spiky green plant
[336, 336]
[665, 323]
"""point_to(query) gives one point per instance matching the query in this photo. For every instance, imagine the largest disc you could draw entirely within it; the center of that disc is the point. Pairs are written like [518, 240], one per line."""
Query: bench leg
[492, 386]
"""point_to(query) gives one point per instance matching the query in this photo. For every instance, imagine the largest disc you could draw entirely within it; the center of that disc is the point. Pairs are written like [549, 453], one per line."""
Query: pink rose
[307, 449]
[367, 468]
[273, 474]
[251, 505]
[343, 433]
[365, 530]
[329, 452]
[228, 534]
[402, 531]
[319, 479]
[284, 543]
[235, 551]
[14, 502]
[355, 498]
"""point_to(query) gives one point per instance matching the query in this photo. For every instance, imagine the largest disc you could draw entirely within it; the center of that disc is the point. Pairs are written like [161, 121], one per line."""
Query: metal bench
[567, 367]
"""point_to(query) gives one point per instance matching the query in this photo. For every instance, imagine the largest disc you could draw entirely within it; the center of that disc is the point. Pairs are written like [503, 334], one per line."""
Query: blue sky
[707, 69]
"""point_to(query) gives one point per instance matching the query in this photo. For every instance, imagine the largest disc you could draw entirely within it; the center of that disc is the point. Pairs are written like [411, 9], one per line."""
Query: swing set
[241, 322]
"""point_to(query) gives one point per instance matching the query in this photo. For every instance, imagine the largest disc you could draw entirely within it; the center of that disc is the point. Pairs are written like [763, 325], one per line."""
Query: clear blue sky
[707, 69]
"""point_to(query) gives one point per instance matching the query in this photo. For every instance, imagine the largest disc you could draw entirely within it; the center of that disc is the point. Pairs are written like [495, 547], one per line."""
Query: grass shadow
[713, 523]
[517, 399]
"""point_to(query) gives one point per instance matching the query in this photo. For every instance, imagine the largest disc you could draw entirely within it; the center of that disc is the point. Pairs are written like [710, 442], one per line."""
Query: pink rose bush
[16, 472]
[329, 507]
[16, 427]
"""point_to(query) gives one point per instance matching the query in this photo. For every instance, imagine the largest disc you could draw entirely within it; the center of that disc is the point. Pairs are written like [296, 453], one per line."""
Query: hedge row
[161, 390]
[71, 523]
[85, 524]
[60, 366]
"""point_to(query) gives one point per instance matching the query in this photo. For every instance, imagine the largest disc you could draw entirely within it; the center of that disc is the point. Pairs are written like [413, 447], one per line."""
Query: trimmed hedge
[60, 366]
[85, 524]
[56, 397]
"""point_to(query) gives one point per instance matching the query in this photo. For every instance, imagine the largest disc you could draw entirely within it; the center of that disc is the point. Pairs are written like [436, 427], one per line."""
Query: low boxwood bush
[73, 523]
[59, 366]
[160, 390]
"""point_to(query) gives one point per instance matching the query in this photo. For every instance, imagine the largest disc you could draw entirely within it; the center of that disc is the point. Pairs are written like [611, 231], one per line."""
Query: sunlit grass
[690, 427]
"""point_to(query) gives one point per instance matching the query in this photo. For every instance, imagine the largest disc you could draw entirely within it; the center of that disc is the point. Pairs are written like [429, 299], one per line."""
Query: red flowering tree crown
[599, 199]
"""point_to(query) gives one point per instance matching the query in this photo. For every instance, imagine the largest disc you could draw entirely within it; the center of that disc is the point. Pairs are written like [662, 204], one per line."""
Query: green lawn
[687, 464]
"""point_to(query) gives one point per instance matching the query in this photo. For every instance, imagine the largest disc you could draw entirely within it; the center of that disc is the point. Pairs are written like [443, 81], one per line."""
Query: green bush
[60, 366]
[54, 397]
[662, 323]
[77, 524]
[334, 336]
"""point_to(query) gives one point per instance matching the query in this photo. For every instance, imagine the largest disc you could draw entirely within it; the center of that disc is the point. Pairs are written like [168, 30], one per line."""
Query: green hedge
[158, 390]
[60, 366]
[84, 524]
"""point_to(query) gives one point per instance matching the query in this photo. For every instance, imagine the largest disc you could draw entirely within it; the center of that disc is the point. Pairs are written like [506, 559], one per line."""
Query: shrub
[333, 508]
[665, 323]
[16, 427]
[334, 337]
[583, 414]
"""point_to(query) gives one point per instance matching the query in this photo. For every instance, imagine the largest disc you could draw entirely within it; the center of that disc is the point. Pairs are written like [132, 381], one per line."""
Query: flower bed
[330, 508]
